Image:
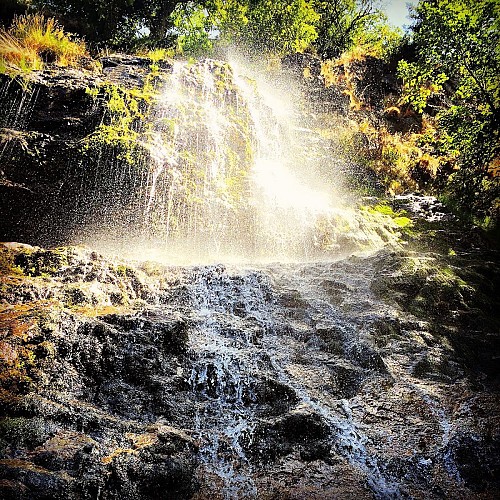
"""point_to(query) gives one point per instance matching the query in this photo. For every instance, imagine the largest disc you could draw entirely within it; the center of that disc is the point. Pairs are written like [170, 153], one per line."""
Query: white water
[232, 176]
[237, 342]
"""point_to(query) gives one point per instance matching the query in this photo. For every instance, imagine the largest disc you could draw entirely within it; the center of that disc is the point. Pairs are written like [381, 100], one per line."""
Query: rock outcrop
[369, 377]
[47, 181]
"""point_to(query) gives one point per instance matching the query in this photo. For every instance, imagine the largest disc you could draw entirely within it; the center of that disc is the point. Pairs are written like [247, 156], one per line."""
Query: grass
[33, 41]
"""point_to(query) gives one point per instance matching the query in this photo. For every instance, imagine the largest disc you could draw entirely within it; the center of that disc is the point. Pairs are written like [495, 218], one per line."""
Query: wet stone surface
[227, 382]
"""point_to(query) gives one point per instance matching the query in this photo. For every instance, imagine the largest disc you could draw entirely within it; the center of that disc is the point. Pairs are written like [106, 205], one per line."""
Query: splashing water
[231, 175]
[237, 345]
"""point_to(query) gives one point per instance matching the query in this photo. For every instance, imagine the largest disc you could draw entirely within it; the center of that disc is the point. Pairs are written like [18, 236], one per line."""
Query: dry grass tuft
[33, 41]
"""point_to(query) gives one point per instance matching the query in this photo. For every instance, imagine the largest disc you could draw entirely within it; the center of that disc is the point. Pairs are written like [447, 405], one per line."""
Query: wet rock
[333, 336]
[114, 60]
[366, 357]
[346, 379]
[25, 480]
[274, 394]
[298, 429]
[72, 385]
[340, 397]
[170, 335]
[447, 292]
[386, 330]
[150, 478]
[476, 459]
[62, 452]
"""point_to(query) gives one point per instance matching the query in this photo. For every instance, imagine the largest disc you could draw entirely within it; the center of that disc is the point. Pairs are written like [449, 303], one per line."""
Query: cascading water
[229, 177]
[233, 175]
[15, 114]
[260, 377]
[200, 151]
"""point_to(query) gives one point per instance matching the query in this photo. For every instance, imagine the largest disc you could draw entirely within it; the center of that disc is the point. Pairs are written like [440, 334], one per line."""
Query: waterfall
[200, 154]
[232, 172]
[265, 365]
[17, 106]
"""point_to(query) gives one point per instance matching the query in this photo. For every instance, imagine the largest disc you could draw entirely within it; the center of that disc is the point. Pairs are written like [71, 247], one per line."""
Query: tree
[460, 38]
[278, 26]
[264, 26]
[341, 21]
[457, 42]
[281, 27]
[112, 22]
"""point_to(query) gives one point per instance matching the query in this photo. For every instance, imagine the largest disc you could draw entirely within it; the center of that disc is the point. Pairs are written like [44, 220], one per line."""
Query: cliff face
[41, 129]
[55, 182]
[46, 179]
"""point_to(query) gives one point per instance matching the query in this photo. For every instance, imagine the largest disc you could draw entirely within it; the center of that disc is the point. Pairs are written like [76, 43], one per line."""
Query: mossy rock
[42, 262]
[22, 432]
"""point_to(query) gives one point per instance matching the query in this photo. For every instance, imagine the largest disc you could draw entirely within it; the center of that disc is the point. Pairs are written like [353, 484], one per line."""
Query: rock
[73, 383]
[346, 379]
[298, 429]
[123, 59]
[24, 480]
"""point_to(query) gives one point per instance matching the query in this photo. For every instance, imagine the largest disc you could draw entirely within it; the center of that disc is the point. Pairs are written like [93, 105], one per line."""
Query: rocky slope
[374, 377]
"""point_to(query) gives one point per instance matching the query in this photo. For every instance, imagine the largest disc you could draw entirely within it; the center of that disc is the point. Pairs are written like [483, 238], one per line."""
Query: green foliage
[159, 55]
[119, 23]
[191, 24]
[7, 265]
[32, 41]
[22, 432]
[281, 27]
[264, 26]
[419, 85]
[229, 19]
[341, 23]
[379, 39]
[277, 27]
[461, 39]
[42, 262]
[458, 69]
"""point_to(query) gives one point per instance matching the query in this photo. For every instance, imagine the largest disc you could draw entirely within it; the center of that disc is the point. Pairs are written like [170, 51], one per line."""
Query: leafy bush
[457, 70]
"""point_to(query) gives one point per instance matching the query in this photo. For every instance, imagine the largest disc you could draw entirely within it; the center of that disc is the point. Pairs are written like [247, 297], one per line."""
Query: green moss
[22, 432]
[7, 264]
[41, 262]
[383, 209]
[403, 222]
[121, 270]
[124, 125]
[398, 217]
